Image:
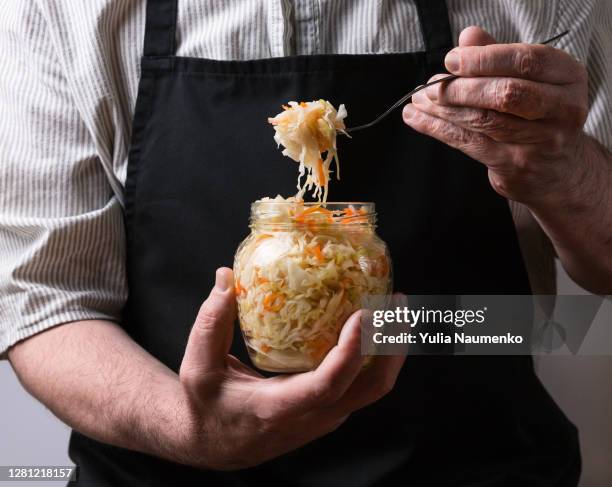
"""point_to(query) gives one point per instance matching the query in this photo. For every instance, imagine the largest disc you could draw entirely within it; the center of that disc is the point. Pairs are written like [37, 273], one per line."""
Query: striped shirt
[69, 72]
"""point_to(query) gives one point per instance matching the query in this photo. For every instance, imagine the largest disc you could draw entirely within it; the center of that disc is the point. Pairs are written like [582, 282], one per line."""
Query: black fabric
[202, 152]
[436, 29]
[160, 29]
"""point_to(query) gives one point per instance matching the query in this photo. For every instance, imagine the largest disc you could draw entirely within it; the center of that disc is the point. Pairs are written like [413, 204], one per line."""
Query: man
[87, 209]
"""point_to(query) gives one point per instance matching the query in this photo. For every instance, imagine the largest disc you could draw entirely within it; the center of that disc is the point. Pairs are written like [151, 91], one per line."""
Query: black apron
[202, 151]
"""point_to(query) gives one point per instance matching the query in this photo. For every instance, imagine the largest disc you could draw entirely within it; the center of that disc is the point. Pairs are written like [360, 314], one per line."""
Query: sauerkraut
[307, 131]
[299, 275]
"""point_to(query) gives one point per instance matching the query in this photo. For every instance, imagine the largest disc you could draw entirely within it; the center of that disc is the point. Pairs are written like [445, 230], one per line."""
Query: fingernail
[452, 61]
[409, 111]
[222, 280]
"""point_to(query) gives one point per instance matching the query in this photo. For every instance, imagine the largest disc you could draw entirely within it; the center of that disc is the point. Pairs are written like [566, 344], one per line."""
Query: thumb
[211, 335]
[475, 36]
[471, 36]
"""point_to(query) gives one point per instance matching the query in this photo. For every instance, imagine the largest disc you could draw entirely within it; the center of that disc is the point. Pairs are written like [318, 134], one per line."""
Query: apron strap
[435, 25]
[160, 30]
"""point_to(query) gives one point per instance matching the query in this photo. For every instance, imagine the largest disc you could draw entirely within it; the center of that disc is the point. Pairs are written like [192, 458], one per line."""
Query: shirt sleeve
[62, 244]
[599, 65]
[590, 24]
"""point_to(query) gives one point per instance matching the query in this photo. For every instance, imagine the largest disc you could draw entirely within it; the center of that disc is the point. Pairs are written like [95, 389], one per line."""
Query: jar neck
[280, 214]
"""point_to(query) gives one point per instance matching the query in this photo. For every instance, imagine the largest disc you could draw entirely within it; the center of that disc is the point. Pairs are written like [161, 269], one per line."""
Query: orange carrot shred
[239, 288]
[316, 252]
[273, 302]
[263, 236]
[320, 173]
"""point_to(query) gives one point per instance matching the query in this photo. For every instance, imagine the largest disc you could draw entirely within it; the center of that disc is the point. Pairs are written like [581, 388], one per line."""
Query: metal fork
[405, 98]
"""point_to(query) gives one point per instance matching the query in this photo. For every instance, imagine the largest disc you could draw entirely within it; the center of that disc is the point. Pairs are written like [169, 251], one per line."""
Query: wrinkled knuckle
[441, 128]
[482, 60]
[463, 137]
[429, 124]
[484, 120]
[510, 95]
[529, 63]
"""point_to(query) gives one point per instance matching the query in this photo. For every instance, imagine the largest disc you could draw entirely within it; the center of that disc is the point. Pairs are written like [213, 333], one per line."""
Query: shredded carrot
[303, 216]
[317, 209]
[239, 289]
[320, 173]
[265, 348]
[262, 236]
[316, 252]
[273, 302]
[350, 215]
[319, 254]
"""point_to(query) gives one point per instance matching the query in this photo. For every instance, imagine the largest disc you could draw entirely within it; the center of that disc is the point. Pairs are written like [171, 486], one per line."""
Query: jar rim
[290, 213]
[313, 203]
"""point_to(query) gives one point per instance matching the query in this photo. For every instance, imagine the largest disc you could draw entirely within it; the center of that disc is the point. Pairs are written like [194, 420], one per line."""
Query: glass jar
[303, 270]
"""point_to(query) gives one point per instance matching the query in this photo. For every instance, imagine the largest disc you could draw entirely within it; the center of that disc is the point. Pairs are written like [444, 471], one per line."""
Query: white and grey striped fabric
[69, 71]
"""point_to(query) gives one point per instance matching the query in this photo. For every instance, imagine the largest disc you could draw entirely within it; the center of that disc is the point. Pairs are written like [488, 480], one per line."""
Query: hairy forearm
[579, 219]
[100, 382]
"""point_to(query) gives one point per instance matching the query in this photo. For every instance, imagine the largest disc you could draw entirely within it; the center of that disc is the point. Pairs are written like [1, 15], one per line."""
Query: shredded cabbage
[298, 278]
[308, 130]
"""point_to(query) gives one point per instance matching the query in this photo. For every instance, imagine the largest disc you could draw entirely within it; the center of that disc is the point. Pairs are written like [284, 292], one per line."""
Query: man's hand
[517, 108]
[240, 419]
[520, 110]
[217, 413]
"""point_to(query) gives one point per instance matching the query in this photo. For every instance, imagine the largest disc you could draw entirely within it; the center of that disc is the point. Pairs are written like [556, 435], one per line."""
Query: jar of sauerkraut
[303, 270]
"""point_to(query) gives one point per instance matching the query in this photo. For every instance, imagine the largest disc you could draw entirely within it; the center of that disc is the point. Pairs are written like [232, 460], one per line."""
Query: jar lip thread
[297, 214]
